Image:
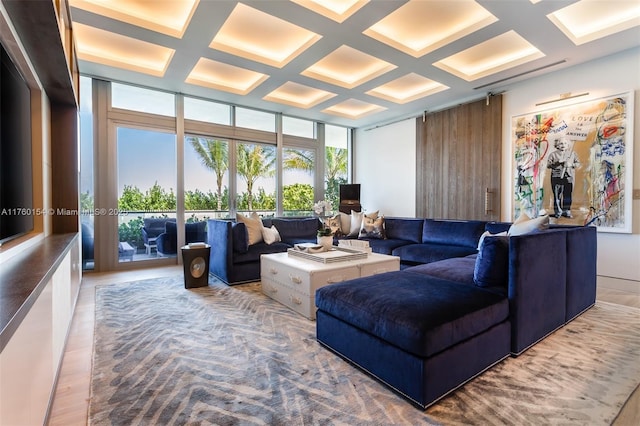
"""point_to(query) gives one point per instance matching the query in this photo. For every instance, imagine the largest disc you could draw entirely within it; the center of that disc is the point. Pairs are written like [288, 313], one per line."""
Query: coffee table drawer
[301, 303]
[379, 267]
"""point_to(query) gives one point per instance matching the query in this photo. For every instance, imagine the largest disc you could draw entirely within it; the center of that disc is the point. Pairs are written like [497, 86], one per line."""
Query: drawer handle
[296, 280]
[273, 289]
[295, 300]
[273, 271]
[337, 279]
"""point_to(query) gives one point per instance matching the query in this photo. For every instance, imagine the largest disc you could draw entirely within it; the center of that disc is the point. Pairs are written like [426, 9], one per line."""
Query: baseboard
[620, 284]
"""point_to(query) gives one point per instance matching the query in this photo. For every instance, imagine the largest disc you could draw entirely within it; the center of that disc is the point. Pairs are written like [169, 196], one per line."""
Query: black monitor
[350, 192]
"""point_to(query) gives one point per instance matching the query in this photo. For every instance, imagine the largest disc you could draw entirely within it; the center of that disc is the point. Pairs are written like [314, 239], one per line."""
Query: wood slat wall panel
[458, 159]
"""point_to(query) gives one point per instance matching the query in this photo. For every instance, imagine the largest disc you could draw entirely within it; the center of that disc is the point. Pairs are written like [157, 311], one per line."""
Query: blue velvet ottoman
[422, 336]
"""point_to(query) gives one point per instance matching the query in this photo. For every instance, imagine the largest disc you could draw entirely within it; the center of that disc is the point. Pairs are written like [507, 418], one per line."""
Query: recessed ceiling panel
[586, 21]
[347, 67]
[115, 50]
[171, 17]
[408, 88]
[220, 76]
[353, 109]
[298, 95]
[420, 27]
[338, 10]
[489, 57]
[258, 36]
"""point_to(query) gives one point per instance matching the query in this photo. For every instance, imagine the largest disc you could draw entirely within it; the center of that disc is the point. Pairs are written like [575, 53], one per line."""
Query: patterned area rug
[231, 356]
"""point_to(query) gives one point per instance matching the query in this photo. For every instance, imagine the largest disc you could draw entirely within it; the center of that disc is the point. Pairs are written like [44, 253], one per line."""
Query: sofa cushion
[452, 232]
[425, 316]
[426, 253]
[459, 269]
[294, 231]
[256, 250]
[492, 263]
[404, 229]
[239, 236]
[385, 246]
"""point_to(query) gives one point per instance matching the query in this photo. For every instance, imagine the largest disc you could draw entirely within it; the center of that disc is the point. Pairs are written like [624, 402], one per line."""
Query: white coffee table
[293, 281]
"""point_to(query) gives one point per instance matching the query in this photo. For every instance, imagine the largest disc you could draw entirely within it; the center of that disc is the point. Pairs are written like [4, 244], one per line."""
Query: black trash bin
[195, 258]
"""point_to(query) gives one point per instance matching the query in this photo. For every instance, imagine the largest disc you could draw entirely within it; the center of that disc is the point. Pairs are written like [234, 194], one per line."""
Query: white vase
[326, 241]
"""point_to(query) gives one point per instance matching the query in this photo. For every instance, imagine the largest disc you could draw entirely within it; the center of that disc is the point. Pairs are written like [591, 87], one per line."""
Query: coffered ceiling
[355, 63]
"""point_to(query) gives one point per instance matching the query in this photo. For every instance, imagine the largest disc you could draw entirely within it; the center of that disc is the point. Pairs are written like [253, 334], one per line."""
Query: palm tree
[298, 159]
[215, 157]
[254, 162]
[335, 173]
[336, 163]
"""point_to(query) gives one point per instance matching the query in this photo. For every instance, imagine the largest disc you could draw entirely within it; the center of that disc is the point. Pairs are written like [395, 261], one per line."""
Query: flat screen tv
[16, 178]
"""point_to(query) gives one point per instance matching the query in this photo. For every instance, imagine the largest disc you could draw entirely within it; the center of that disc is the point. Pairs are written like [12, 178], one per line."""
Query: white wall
[385, 157]
[385, 167]
[618, 254]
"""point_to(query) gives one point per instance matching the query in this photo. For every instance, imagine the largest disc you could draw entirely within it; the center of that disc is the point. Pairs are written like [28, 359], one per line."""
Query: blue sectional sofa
[427, 329]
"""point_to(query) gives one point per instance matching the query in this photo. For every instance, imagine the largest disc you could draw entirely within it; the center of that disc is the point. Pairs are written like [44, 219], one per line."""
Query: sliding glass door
[146, 176]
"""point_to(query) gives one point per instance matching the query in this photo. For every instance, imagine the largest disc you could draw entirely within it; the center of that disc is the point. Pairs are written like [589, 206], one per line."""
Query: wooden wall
[458, 158]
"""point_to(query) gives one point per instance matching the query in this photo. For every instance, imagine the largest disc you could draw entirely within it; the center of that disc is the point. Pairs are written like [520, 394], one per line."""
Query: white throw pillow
[254, 226]
[356, 223]
[270, 235]
[524, 225]
[345, 223]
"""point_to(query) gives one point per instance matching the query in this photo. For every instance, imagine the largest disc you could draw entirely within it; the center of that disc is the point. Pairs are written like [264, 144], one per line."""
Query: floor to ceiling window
[299, 166]
[166, 163]
[336, 167]
[86, 174]
[256, 178]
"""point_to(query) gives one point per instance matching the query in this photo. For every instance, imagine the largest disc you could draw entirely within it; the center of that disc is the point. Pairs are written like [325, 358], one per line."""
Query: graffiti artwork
[574, 163]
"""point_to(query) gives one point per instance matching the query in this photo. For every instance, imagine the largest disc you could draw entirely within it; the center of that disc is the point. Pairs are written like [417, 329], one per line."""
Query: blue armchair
[167, 242]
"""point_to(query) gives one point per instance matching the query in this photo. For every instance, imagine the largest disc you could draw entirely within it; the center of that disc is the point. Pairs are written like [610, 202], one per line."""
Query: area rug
[164, 355]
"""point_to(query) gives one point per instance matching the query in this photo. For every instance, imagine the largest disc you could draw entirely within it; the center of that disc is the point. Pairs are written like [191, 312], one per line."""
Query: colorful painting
[574, 163]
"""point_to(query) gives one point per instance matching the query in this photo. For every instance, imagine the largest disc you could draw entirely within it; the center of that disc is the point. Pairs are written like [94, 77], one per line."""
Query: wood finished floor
[71, 398]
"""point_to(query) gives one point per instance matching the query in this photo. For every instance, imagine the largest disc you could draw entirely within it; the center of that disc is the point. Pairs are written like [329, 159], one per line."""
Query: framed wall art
[574, 163]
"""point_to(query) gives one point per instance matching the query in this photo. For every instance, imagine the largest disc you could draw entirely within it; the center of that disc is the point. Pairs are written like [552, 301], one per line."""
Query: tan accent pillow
[372, 227]
[334, 223]
[254, 226]
[270, 235]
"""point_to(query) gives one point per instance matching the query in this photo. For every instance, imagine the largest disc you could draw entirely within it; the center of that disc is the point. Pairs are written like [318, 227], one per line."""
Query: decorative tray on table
[316, 253]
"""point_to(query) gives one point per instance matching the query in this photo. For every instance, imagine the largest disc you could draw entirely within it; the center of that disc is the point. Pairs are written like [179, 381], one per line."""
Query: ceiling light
[338, 10]
[104, 47]
[586, 21]
[489, 57]
[172, 18]
[298, 95]
[353, 109]
[220, 76]
[408, 88]
[258, 36]
[347, 67]
[420, 27]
